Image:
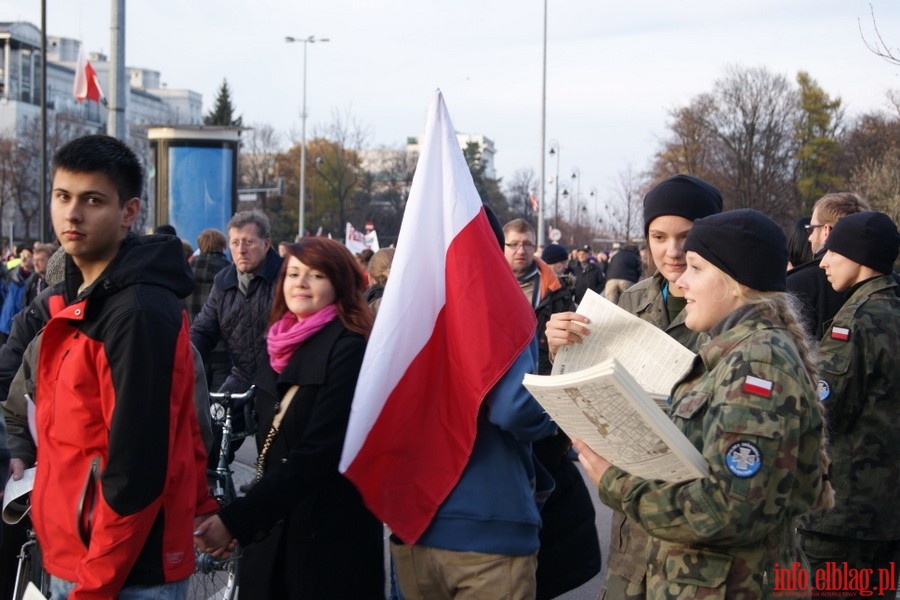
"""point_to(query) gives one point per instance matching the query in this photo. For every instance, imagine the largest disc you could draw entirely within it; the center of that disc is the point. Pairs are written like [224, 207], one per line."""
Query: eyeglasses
[526, 245]
[243, 243]
[810, 226]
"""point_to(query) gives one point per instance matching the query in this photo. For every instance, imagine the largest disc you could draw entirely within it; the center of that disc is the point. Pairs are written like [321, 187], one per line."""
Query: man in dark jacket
[819, 302]
[588, 272]
[237, 309]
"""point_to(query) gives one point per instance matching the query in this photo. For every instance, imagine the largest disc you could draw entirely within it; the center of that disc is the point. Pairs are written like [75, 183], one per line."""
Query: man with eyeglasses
[540, 285]
[237, 309]
[569, 553]
[818, 300]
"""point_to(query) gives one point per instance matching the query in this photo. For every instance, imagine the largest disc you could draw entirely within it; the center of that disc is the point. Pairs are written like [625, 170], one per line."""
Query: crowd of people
[111, 341]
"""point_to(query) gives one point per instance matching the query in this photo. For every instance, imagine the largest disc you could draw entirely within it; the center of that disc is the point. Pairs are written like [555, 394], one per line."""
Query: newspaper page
[649, 354]
[607, 409]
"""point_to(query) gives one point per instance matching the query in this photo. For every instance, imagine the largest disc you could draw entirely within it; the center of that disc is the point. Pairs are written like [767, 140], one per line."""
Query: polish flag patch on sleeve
[757, 386]
[840, 333]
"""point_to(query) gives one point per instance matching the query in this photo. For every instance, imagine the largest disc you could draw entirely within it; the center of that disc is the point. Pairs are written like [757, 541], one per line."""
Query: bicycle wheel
[214, 578]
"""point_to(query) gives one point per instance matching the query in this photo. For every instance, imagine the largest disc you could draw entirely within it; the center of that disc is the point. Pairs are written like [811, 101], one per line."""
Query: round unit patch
[743, 459]
[824, 390]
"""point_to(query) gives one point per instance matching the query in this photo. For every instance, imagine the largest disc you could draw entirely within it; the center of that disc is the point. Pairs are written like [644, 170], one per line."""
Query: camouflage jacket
[860, 392]
[645, 300]
[628, 542]
[748, 405]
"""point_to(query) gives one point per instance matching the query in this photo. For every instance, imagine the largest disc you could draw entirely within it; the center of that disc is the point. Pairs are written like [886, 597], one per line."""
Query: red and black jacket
[121, 466]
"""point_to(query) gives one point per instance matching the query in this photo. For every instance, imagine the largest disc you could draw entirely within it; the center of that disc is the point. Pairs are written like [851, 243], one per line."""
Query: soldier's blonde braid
[786, 307]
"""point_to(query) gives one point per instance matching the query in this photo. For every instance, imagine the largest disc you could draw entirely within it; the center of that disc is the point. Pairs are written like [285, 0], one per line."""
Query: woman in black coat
[305, 529]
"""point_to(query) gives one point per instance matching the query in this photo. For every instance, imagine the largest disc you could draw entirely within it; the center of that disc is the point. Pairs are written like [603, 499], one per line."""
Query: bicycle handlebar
[231, 399]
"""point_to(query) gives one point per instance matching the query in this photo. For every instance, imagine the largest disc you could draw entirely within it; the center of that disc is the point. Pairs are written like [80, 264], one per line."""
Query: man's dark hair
[103, 154]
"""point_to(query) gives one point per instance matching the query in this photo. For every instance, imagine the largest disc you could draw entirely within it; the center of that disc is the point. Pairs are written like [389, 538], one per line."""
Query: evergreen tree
[819, 153]
[223, 112]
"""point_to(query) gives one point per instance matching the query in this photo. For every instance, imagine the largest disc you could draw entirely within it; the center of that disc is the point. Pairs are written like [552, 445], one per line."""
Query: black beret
[869, 238]
[554, 253]
[745, 244]
[683, 196]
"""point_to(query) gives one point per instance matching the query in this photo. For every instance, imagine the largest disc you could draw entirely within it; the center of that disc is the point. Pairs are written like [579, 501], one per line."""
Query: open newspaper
[609, 390]
[649, 354]
[604, 406]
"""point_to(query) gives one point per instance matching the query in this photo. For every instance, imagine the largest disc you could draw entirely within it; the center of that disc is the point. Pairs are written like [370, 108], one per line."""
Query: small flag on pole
[87, 86]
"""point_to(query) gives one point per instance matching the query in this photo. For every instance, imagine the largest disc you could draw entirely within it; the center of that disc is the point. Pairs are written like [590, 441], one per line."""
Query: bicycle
[30, 569]
[16, 507]
[217, 578]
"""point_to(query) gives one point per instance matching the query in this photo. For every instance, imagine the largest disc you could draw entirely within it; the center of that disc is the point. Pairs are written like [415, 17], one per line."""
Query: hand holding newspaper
[604, 406]
[603, 391]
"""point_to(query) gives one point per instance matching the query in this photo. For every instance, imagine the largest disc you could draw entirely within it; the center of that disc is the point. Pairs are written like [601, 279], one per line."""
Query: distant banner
[357, 241]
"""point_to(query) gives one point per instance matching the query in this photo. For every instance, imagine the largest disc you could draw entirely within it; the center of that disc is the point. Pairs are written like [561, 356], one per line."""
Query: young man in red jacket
[121, 466]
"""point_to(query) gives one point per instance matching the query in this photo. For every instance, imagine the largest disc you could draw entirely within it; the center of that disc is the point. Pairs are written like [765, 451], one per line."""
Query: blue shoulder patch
[743, 459]
[824, 390]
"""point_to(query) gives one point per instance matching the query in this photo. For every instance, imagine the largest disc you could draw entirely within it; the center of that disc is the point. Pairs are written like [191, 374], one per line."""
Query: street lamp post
[305, 41]
[554, 151]
[542, 228]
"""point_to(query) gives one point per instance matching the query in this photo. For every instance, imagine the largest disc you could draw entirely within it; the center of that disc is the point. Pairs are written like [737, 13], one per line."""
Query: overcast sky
[614, 69]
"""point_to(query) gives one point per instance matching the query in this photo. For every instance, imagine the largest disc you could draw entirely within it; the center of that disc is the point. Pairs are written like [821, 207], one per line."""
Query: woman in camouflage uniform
[670, 209]
[860, 392]
[749, 405]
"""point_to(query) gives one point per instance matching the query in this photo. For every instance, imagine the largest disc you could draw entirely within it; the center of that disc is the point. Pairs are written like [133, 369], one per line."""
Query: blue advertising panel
[201, 188]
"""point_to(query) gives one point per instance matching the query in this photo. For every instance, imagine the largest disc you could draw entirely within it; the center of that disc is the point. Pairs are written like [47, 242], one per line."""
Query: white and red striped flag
[87, 86]
[451, 322]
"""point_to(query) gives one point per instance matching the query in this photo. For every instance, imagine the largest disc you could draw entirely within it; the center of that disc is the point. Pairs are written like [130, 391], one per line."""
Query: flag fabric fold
[451, 322]
[87, 86]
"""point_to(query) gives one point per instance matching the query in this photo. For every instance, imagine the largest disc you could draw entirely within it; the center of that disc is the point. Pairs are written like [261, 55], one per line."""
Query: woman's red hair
[339, 265]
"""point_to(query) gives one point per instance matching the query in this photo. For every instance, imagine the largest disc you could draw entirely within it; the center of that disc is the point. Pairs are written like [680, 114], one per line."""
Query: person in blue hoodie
[483, 540]
[14, 290]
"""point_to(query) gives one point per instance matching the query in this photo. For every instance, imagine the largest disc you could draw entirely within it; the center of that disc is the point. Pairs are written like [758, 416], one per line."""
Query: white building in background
[149, 101]
[485, 146]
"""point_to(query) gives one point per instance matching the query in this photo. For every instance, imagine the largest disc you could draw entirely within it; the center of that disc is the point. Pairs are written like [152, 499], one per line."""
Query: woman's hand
[212, 537]
[594, 464]
[565, 329]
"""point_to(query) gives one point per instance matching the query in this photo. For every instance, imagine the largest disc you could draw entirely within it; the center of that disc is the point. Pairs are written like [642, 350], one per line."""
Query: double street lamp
[305, 41]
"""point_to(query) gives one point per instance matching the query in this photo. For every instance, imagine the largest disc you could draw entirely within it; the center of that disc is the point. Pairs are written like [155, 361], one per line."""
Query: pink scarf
[289, 332]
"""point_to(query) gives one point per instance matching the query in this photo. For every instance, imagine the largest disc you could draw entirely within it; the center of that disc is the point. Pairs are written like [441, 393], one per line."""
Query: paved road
[244, 467]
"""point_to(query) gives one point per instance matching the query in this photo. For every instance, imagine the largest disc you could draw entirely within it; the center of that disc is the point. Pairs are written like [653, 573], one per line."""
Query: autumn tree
[519, 191]
[260, 145]
[334, 157]
[871, 153]
[223, 112]
[740, 137]
[625, 215]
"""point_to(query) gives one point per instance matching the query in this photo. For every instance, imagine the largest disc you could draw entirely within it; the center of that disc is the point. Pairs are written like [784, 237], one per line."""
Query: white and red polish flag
[86, 87]
[451, 322]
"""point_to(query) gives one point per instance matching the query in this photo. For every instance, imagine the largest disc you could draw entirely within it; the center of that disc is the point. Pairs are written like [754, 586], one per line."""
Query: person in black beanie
[557, 258]
[683, 195]
[749, 405]
[859, 390]
[670, 209]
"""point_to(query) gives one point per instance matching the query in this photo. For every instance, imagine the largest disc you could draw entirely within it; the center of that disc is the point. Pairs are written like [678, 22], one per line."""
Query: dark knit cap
[745, 244]
[869, 238]
[554, 253]
[683, 196]
[166, 228]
